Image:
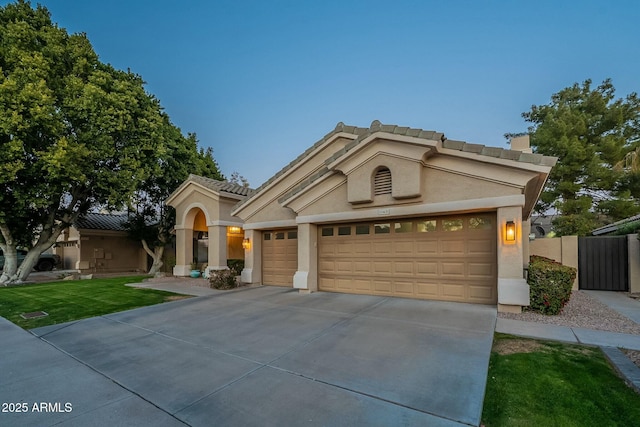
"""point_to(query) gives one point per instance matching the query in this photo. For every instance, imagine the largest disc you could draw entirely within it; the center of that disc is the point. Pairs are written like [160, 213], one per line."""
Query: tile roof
[100, 221]
[215, 185]
[226, 186]
[615, 226]
[376, 126]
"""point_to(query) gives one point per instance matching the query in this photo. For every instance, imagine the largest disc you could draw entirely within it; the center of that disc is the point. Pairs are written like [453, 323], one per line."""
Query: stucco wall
[561, 249]
[110, 253]
[267, 208]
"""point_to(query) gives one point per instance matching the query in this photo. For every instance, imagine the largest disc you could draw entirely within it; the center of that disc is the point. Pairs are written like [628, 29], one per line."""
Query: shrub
[550, 284]
[223, 279]
[237, 265]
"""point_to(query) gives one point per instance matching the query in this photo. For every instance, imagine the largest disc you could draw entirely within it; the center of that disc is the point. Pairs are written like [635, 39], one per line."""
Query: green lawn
[71, 300]
[553, 384]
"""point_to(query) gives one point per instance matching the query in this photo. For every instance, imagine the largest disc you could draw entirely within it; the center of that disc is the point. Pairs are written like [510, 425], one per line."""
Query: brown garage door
[279, 257]
[441, 258]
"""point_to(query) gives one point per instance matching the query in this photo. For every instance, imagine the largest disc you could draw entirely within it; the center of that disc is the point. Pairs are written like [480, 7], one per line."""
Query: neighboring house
[541, 226]
[630, 225]
[99, 243]
[384, 210]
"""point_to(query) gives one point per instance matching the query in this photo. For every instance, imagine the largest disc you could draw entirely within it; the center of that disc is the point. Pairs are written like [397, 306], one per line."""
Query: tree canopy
[75, 134]
[591, 132]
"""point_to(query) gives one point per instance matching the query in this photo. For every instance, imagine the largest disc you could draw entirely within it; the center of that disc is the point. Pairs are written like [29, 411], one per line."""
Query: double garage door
[439, 258]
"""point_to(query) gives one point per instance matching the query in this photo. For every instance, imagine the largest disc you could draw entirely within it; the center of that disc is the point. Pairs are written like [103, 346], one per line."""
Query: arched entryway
[206, 232]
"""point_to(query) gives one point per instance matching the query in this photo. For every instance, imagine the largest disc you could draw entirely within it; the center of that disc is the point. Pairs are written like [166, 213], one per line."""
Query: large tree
[74, 133]
[151, 220]
[590, 131]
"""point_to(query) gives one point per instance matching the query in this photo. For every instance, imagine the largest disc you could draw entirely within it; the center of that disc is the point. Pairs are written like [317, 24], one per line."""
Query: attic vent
[382, 182]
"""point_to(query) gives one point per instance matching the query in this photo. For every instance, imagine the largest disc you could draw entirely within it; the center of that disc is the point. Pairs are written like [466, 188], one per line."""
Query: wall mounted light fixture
[246, 244]
[510, 231]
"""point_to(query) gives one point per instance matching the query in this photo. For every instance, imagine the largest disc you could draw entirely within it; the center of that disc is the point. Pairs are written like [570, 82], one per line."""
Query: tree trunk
[10, 263]
[156, 255]
[46, 240]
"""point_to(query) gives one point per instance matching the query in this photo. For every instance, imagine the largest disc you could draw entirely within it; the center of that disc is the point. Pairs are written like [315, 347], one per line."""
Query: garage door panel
[382, 248]
[380, 267]
[344, 248]
[404, 267]
[344, 267]
[362, 267]
[327, 283]
[280, 257]
[455, 269]
[403, 248]
[344, 284]
[453, 247]
[479, 247]
[403, 288]
[428, 247]
[453, 291]
[362, 285]
[481, 293]
[362, 248]
[382, 287]
[427, 290]
[454, 261]
[427, 268]
[480, 270]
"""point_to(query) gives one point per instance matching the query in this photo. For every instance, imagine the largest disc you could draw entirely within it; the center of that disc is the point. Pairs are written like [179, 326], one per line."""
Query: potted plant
[194, 269]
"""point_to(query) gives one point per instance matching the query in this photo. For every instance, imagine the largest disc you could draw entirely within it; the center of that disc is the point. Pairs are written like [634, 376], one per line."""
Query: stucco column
[306, 278]
[513, 290]
[217, 251]
[252, 272]
[184, 251]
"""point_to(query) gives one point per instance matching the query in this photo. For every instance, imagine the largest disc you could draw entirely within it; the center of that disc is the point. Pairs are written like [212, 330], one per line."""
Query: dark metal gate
[603, 263]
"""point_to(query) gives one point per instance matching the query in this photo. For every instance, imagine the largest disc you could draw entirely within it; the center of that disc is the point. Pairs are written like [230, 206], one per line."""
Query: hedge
[550, 284]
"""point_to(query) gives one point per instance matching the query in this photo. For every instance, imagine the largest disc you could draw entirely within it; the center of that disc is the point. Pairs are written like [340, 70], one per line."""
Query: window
[382, 182]
[403, 227]
[344, 231]
[292, 235]
[267, 236]
[362, 229]
[382, 228]
[280, 236]
[452, 224]
[327, 231]
[426, 226]
[476, 223]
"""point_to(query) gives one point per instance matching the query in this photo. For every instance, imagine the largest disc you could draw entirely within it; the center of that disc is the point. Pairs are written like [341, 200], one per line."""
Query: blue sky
[260, 81]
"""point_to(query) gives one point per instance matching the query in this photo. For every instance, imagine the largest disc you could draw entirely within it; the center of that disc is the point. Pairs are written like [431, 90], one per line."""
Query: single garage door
[279, 257]
[440, 258]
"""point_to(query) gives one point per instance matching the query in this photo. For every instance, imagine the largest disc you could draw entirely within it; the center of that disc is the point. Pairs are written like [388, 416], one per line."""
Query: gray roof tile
[100, 221]
[377, 126]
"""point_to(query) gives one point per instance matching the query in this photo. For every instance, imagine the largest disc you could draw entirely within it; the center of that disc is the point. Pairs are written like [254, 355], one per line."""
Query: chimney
[521, 143]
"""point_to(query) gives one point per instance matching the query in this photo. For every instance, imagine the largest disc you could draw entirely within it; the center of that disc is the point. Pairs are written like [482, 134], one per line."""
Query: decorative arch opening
[197, 219]
[382, 183]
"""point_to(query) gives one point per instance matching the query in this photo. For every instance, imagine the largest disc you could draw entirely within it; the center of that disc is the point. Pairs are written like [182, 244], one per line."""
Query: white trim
[430, 208]
[189, 208]
[226, 223]
[271, 224]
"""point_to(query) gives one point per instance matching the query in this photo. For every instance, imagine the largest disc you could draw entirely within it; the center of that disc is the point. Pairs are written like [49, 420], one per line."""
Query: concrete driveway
[271, 356]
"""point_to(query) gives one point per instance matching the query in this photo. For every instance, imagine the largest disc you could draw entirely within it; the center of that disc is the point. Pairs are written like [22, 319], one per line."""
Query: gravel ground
[583, 311]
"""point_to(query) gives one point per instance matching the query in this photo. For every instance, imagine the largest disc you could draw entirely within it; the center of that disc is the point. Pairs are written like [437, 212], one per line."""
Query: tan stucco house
[384, 210]
[99, 243]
